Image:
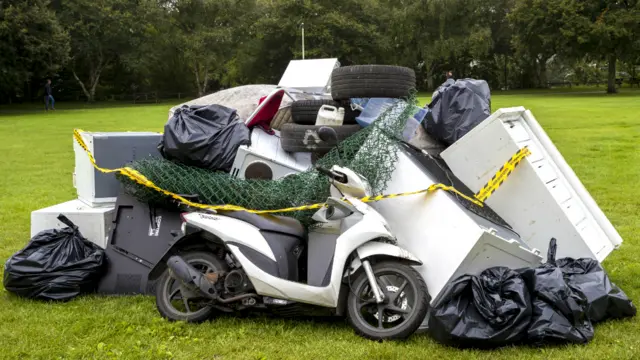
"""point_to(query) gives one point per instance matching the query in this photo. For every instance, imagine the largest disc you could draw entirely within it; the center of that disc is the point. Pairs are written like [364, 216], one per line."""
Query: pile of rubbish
[200, 142]
[259, 147]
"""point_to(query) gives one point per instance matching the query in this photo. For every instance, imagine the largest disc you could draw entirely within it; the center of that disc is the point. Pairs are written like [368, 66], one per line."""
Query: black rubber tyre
[361, 298]
[305, 112]
[372, 81]
[167, 289]
[304, 138]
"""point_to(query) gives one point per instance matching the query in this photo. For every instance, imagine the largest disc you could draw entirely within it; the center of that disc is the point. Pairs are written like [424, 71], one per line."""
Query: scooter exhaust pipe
[191, 277]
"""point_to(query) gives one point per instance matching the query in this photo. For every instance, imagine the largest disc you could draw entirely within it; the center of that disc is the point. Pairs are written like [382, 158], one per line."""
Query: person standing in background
[48, 97]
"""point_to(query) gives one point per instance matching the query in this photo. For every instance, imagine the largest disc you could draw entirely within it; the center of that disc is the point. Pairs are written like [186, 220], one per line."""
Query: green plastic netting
[370, 152]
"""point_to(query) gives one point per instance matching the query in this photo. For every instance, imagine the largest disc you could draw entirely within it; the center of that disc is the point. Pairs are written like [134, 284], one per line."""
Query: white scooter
[231, 261]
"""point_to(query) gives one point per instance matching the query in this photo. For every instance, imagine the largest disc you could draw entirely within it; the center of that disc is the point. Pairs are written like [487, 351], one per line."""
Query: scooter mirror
[341, 209]
[336, 209]
[336, 213]
[321, 215]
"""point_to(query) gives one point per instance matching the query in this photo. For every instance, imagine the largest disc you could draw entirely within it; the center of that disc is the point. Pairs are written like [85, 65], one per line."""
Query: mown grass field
[599, 135]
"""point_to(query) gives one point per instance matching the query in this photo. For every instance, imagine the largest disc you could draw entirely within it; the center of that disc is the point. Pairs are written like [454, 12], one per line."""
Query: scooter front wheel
[405, 305]
[176, 303]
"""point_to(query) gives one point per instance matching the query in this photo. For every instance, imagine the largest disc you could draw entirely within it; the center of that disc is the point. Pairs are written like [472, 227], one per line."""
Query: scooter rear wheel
[172, 302]
[400, 314]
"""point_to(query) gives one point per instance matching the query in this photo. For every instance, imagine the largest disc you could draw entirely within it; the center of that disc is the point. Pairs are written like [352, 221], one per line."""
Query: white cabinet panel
[543, 198]
[545, 171]
[559, 192]
[517, 132]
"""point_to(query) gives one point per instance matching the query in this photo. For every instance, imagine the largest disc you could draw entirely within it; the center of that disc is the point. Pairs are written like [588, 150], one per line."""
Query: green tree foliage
[208, 34]
[33, 45]
[343, 29]
[434, 36]
[101, 31]
[111, 47]
[538, 32]
[608, 30]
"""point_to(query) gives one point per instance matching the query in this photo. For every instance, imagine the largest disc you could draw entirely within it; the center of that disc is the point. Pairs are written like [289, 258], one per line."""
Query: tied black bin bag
[456, 108]
[55, 265]
[485, 311]
[559, 310]
[606, 300]
[204, 136]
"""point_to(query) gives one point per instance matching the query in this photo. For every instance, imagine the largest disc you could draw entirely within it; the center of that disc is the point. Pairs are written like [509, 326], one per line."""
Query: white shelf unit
[543, 197]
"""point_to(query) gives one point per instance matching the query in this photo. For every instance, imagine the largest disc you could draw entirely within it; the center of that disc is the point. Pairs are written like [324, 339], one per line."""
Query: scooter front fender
[377, 248]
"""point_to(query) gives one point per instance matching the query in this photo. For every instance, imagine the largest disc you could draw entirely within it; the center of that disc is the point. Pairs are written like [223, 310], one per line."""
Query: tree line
[99, 48]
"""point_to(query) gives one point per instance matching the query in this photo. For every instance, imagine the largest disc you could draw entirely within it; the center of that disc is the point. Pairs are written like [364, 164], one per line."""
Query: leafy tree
[433, 36]
[100, 31]
[208, 34]
[110, 47]
[32, 44]
[346, 29]
[494, 66]
[155, 61]
[585, 71]
[539, 28]
[612, 28]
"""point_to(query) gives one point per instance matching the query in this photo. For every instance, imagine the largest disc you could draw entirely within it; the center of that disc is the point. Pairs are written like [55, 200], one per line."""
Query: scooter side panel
[232, 230]
[369, 228]
[268, 285]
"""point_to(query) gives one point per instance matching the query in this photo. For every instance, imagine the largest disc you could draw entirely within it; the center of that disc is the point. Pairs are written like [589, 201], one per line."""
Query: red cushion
[267, 111]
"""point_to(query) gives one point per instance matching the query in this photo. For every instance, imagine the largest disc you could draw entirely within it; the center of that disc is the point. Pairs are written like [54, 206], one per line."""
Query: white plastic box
[111, 150]
[94, 223]
[265, 158]
[449, 239]
[311, 75]
[543, 198]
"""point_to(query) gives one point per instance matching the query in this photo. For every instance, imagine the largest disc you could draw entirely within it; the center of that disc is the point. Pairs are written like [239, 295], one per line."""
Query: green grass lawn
[597, 134]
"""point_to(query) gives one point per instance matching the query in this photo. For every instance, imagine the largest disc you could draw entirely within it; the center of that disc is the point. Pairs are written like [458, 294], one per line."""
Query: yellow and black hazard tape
[502, 174]
[478, 198]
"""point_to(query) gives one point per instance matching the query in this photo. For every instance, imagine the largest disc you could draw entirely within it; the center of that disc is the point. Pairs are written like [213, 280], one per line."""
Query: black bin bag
[55, 265]
[485, 311]
[559, 310]
[605, 299]
[205, 136]
[456, 108]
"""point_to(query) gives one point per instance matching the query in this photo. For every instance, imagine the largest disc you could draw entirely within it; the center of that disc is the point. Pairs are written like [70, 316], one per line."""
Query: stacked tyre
[359, 81]
[301, 135]
[305, 112]
[372, 81]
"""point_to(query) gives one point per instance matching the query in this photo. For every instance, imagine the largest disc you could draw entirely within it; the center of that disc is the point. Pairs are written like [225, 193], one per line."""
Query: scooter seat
[272, 223]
